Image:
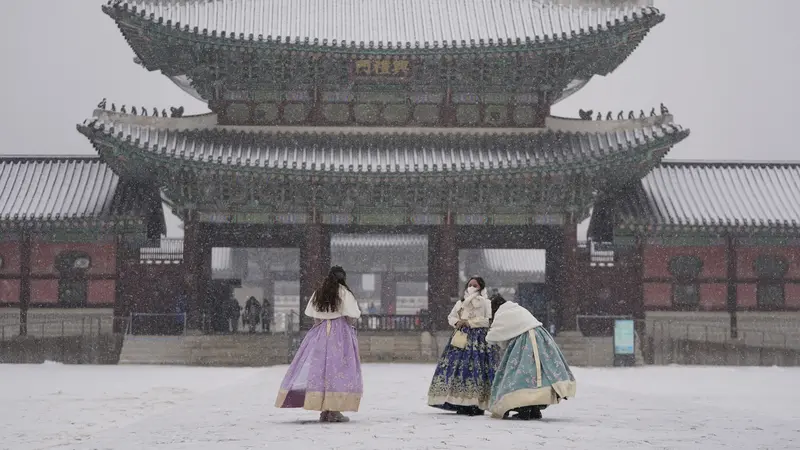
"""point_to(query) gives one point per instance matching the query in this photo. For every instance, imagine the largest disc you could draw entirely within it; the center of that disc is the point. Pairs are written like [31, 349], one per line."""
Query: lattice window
[770, 270]
[686, 289]
[73, 284]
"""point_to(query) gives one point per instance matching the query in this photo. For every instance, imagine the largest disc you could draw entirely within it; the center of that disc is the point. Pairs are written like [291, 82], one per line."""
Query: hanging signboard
[380, 70]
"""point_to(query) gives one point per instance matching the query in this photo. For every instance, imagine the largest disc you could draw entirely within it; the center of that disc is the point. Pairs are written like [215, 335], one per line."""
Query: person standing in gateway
[325, 374]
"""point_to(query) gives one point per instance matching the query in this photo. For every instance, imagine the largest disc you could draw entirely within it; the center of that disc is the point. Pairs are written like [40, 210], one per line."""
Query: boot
[323, 416]
[528, 413]
[474, 411]
[337, 417]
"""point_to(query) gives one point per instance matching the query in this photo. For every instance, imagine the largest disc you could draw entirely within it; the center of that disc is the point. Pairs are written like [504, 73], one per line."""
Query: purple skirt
[325, 374]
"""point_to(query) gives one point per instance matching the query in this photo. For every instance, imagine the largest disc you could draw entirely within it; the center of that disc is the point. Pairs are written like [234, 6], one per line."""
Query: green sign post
[624, 343]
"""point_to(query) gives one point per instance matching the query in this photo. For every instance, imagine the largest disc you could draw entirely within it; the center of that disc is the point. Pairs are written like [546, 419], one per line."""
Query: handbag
[459, 339]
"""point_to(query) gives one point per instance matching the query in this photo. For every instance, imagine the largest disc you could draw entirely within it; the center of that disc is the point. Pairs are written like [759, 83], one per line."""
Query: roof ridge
[43, 157]
[96, 124]
[724, 163]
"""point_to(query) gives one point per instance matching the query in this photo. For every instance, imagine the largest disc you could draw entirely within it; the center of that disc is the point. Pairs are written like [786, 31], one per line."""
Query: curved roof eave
[559, 27]
[389, 156]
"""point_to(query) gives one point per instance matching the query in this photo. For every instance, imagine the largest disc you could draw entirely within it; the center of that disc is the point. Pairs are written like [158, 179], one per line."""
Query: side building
[66, 225]
[708, 250]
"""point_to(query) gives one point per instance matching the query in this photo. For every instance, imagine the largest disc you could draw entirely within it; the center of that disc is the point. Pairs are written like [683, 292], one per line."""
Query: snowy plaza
[53, 406]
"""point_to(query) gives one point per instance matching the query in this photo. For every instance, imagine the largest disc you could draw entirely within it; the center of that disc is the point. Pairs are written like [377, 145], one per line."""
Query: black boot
[474, 411]
[469, 411]
[528, 413]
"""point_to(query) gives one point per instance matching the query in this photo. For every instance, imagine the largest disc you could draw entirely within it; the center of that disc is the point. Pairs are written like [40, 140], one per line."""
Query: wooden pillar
[122, 260]
[24, 281]
[733, 303]
[442, 274]
[315, 260]
[195, 252]
[388, 293]
[567, 289]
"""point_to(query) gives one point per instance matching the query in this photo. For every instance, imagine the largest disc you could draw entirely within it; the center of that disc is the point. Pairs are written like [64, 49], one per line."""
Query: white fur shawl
[510, 321]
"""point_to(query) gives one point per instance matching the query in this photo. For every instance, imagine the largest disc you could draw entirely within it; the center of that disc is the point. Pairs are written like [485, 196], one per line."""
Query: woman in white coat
[463, 378]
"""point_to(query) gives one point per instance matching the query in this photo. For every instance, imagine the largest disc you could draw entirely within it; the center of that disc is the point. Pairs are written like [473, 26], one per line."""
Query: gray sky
[725, 68]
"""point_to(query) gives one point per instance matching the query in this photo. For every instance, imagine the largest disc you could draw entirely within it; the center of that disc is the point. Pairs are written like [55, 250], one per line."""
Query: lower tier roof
[712, 197]
[385, 152]
[78, 192]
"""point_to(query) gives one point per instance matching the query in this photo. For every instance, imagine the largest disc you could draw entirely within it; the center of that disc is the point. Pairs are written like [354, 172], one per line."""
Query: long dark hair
[326, 297]
[497, 302]
[480, 281]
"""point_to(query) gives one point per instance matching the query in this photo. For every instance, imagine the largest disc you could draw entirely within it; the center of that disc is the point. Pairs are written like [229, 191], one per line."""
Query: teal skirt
[531, 372]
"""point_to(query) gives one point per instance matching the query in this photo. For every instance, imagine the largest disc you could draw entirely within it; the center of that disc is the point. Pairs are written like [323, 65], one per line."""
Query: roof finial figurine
[176, 112]
[664, 110]
[653, 112]
[155, 112]
[585, 115]
[113, 107]
[641, 114]
[609, 116]
[631, 115]
[123, 110]
[163, 113]
[144, 111]
[621, 116]
[134, 111]
[599, 116]
[102, 104]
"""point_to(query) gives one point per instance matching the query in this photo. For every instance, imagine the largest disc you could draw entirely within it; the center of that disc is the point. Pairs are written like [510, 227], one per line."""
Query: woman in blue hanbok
[462, 381]
[532, 372]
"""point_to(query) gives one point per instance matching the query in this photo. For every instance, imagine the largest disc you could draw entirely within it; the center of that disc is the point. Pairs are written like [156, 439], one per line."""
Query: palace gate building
[387, 118]
[428, 119]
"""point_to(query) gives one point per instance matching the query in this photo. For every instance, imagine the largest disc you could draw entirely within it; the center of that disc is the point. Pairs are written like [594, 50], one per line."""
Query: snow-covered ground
[51, 406]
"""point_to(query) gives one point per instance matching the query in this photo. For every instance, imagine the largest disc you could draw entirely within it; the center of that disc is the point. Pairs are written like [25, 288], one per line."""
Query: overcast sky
[727, 69]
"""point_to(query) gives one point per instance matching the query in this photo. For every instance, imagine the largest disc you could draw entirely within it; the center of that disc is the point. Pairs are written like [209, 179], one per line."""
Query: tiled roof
[382, 23]
[389, 151]
[524, 261]
[68, 189]
[716, 195]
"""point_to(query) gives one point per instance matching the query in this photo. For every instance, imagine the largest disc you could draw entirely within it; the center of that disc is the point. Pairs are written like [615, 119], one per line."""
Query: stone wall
[755, 329]
[97, 349]
[688, 352]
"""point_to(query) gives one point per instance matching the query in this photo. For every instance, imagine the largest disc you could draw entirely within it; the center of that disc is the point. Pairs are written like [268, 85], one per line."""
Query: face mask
[472, 290]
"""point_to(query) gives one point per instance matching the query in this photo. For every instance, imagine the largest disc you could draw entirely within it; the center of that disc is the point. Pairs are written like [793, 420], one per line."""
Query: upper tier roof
[381, 24]
[81, 191]
[566, 145]
[716, 196]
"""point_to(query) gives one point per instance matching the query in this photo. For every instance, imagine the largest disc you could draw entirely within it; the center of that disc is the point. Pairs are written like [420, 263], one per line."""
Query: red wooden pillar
[732, 299]
[315, 260]
[196, 256]
[442, 274]
[24, 281]
[568, 292]
[388, 293]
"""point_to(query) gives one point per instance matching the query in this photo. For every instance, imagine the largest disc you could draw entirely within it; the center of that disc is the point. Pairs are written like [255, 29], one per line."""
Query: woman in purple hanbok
[325, 374]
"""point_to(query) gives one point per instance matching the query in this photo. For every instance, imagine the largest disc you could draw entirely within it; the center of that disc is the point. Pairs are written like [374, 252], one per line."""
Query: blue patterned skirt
[463, 377]
[532, 372]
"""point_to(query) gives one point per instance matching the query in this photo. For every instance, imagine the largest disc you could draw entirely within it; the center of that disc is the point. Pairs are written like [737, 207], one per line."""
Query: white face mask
[472, 290]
